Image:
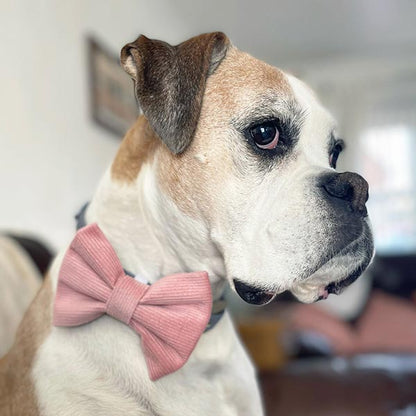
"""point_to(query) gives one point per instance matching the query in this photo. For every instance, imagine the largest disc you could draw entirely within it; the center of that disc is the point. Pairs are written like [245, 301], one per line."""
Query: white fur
[99, 369]
[84, 372]
[273, 225]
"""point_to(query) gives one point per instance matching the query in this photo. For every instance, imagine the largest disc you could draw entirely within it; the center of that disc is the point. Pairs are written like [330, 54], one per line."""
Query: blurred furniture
[366, 385]
[261, 337]
[387, 324]
[38, 251]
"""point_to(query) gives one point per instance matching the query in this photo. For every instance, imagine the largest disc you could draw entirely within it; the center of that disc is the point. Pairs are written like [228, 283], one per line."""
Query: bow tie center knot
[124, 298]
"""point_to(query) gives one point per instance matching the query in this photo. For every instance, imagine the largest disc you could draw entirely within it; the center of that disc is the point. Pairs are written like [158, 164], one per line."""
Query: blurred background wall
[52, 153]
[359, 55]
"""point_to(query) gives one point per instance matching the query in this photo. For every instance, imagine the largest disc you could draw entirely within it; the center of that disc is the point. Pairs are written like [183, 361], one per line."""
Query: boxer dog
[231, 170]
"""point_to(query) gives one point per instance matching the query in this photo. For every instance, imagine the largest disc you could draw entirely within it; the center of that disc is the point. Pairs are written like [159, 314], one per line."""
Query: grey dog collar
[218, 307]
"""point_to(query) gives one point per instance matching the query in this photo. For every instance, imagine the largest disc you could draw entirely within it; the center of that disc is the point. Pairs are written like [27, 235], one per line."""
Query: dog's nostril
[349, 187]
[339, 189]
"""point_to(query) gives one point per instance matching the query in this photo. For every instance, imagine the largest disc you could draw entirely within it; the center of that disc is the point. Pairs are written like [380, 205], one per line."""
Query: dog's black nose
[349, 187]
[251, 294]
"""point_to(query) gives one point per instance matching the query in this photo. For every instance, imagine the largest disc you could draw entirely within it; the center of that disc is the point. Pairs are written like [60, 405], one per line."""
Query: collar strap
[219, 305]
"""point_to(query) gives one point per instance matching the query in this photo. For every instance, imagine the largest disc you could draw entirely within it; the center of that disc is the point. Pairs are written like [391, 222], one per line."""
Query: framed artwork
[113, 105]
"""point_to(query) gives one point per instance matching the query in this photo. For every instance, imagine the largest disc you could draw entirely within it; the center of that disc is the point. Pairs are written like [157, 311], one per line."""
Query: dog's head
[248, 154]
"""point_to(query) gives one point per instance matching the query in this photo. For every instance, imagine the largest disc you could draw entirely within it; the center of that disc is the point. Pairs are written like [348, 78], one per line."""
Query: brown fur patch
[17, 395]
[138, 145]
[241, 76]
[170, 82]
[195, 177]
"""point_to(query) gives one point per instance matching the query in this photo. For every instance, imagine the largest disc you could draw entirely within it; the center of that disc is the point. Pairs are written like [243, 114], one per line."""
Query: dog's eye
[333, 156]
[265, 135]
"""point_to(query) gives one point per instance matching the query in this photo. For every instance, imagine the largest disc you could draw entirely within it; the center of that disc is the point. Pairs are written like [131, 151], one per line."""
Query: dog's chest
[100, 368]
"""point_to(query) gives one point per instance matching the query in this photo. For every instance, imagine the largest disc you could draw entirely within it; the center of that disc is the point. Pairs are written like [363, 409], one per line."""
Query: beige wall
[51, 154]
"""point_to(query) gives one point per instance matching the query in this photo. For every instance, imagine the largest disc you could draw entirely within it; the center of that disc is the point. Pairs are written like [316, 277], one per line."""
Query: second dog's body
[230, 171]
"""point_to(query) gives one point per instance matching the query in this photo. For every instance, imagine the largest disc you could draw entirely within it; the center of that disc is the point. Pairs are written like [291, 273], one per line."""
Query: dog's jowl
[228, 178]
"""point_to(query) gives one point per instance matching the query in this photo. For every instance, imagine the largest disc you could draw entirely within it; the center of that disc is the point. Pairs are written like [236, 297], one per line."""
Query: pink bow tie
[170, 315]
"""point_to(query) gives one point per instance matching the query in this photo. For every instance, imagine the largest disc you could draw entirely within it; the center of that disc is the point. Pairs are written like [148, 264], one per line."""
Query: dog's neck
[142, 226]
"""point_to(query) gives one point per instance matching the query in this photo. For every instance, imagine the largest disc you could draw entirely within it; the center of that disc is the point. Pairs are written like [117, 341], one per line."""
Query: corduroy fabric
[170, 315]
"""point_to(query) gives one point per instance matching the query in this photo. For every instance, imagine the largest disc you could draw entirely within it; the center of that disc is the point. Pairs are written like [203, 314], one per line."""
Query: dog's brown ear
[170, 82]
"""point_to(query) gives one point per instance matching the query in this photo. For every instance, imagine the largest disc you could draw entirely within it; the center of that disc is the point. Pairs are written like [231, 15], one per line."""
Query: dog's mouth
[317, 288]
[330, 278]
[307, 292]
[337, 273]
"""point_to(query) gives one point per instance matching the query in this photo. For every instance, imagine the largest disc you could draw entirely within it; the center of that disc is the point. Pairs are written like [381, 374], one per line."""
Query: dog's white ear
[170, 82]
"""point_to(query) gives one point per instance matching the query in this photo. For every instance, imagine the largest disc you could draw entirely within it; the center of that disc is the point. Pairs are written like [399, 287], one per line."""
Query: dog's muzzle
[341, 260]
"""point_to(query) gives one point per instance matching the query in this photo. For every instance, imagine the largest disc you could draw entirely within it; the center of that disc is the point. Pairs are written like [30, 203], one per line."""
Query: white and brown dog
[231, 170]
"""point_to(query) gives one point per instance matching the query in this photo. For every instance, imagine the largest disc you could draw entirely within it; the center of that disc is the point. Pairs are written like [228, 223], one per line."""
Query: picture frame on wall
[112, 101]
